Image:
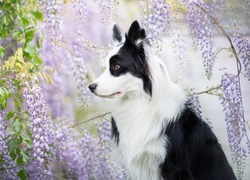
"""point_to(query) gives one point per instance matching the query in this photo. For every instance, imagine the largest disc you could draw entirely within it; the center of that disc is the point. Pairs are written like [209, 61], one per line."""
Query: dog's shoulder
[193, 150]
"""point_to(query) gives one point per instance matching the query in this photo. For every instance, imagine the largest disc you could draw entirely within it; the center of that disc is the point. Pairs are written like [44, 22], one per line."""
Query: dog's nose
[92, 87]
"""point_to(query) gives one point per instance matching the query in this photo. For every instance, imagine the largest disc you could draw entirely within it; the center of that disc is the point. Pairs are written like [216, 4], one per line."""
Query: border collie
[156, 135]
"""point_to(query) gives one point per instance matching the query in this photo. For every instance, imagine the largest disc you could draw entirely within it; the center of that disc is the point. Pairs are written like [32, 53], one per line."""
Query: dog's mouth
[109, 96]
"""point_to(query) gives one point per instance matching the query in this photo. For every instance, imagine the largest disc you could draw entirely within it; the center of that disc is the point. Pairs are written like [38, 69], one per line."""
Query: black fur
[131, 57]
[193, 151]
[114, 131]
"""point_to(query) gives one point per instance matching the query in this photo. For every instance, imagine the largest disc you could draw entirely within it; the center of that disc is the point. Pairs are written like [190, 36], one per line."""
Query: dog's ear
[117, 34]
[136, 34]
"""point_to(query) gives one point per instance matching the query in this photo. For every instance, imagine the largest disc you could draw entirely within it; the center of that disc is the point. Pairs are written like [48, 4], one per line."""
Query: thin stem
[210, 89]
[238, 63]
[91, 119]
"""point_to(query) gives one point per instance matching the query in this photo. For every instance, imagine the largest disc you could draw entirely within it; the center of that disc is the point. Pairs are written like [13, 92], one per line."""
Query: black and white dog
[157, 136]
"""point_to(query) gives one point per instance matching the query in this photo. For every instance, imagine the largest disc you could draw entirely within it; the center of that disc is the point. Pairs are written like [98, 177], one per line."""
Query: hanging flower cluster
[179, 51]
[156, 19]
[201, 28]
[235, 121]
[40, 129]
[243, 46]
[82, 156]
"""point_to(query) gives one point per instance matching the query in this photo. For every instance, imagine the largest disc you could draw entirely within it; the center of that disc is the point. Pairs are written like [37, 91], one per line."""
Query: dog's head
[127, 71]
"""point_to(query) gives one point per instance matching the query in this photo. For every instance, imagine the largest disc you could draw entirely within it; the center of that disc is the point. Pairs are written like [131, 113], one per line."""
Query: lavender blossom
[243, 47]
[9, 168]
[194, 102]
[201, 27]
[86, 143]
[72, 151]
[106, 7]
[39, 128]
[234, 117]
[52, 11]
[155, 19]
[80, 71]
[180, 51]
[80, 10]
[104, 167]
[103, 151]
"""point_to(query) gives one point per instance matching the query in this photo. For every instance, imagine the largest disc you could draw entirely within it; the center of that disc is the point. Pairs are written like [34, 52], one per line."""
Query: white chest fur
[141, 146]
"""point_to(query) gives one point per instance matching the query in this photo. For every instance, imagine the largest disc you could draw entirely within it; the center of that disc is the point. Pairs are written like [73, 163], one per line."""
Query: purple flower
[103, 165]
[80, 10]
[199, 20]
[41, 133]
[243, 46]
[179, 51]
[155, 19]
[234, 117]
[79, 73]
[194, 102]
[106, 9]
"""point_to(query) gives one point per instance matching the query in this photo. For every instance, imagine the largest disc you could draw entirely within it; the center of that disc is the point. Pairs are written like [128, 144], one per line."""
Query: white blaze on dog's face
[127, 71]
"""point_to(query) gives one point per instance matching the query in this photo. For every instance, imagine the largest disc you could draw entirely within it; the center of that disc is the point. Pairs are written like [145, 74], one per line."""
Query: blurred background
[76, 36]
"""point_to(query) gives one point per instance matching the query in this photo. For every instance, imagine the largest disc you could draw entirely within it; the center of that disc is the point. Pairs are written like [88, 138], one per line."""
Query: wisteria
[39, 127]
[156, 19]
[180, 52]
[234, 112]
[243, 46]
[201, 24]
[50, 131]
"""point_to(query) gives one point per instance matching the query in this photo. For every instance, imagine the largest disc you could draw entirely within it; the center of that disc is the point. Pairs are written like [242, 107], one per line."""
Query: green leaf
[11, 145]
[4, 33]
[1, 160]
[22, 174]
[29, 51]
[38, 15]
[25, 156]
[17, 33]
[7, 5]
[13, 155]
[25, 21]
[27, 140]
[2, 52]
[29, 34]
[38, 59]
[4, 95]
[29, 133]
[17, 124]
[10, 115]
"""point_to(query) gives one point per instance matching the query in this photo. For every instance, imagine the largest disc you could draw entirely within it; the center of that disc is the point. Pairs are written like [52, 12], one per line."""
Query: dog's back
[194, 151]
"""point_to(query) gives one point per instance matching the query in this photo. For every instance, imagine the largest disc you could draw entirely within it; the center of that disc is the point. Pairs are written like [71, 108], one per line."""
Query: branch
[210, 89]
[91, 119]
[227, 36]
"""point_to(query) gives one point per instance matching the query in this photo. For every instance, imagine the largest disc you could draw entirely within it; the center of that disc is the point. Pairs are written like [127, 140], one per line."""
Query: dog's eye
[115, 67]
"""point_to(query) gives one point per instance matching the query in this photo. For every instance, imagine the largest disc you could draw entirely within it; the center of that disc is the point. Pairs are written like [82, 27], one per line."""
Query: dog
[155, 132]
